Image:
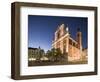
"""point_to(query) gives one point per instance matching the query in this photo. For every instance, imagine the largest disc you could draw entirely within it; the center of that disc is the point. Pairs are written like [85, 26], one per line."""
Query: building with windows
[35, 53]
[32, 53]
[67, 45]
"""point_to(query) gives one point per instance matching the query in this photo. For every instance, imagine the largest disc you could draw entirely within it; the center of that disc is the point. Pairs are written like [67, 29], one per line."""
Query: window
[58, 34]
[70, 41]
[74, 44]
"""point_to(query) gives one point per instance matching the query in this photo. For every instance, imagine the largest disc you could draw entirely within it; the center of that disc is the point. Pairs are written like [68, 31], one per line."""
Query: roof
[73, 39]
[61, 25]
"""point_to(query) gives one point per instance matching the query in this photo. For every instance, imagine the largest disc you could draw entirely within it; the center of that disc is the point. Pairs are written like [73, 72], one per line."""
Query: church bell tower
[79, 38]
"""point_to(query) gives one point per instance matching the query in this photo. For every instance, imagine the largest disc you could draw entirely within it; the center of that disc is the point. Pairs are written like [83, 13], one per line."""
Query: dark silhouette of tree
[40, 54]
[56, 55]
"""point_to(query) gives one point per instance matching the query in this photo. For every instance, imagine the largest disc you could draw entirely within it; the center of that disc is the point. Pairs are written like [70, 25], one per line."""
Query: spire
[39, 47]
[79, 38]
[62, 25]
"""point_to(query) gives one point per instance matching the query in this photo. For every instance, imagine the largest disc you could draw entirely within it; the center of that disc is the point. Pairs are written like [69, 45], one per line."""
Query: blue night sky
[41, 29]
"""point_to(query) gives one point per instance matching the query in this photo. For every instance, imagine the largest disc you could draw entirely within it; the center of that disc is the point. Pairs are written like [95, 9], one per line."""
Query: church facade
[67, 45]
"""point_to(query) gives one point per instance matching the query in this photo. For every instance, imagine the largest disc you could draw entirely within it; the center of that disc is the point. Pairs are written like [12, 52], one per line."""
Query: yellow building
[66, 44]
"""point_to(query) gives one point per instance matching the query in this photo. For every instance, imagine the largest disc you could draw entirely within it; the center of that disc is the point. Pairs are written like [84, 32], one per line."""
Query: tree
[56, 55]
[40, 54]
[50, 54]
